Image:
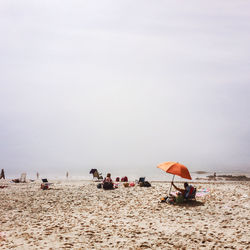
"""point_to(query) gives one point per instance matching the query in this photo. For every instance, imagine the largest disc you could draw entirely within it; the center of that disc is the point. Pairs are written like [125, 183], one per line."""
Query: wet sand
[77, 215]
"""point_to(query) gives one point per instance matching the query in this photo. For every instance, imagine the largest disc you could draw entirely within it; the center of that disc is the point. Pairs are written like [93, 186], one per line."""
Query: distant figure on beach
[187, 191]
[37, 175]
[107, 182]
[2, 175]
[214, 175]
[67, 175]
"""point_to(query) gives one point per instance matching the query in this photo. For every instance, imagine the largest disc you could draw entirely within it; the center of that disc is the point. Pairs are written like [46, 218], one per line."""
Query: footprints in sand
[75, 217]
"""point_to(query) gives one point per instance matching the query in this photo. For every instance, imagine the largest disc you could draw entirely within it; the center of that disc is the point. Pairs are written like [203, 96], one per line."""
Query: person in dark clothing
[107, 182]
[2, 175]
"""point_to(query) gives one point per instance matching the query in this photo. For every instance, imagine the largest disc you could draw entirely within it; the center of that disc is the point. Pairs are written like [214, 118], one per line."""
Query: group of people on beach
[183, 194]
[108, 183]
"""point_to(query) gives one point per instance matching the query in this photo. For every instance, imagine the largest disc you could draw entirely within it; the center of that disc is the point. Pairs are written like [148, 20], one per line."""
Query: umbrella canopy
[175, 168]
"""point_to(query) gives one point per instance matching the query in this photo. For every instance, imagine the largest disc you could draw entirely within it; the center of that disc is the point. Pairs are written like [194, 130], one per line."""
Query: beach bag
[44, 186]
[107, 185]
[99, 185]
[170, 200]
[164, 199]
[124, 179]
[145, 184]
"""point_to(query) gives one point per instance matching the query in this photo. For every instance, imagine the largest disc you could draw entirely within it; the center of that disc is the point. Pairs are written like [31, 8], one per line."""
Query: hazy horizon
[124, 85]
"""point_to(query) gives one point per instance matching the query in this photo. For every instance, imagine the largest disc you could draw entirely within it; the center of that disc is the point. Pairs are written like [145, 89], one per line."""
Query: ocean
[157, 175]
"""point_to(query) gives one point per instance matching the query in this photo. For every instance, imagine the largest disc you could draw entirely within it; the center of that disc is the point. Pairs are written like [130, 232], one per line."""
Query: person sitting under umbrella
[187, 191]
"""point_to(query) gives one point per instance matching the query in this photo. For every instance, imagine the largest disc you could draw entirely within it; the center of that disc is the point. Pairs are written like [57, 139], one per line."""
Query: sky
[124, 85]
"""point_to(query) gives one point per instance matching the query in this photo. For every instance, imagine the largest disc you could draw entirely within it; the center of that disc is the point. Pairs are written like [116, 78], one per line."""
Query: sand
[77, 215]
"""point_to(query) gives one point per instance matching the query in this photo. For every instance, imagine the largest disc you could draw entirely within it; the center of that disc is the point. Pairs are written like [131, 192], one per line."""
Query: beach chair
[96, 174]
[23, 178]
[45, 184]
[143, 183]
[142, 179]
[192, 195]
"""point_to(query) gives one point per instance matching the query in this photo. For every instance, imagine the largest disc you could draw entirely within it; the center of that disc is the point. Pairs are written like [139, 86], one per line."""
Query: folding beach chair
[23, 178]
[96, 174]
[45, 184]
[191, 195]
[142, 179]
[143, 183]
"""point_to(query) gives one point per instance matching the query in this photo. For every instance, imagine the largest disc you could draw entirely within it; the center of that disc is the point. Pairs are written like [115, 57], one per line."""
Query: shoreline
[72, 181]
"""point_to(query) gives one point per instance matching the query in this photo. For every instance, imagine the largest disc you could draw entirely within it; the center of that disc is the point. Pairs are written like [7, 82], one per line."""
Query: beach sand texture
[77, 215]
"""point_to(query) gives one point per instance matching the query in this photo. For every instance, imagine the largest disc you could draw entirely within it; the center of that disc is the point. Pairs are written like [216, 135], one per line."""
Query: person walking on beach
[67, 175]
[2, 175]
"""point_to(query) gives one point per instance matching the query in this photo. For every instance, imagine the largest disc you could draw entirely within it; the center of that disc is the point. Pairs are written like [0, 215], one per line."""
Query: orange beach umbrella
[175, 168]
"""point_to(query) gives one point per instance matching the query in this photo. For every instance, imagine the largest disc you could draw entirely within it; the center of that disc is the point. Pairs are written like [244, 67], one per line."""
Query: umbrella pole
[171, 184]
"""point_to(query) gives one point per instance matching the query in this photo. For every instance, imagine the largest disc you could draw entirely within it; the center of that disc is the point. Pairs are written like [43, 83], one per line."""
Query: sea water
[157, 175]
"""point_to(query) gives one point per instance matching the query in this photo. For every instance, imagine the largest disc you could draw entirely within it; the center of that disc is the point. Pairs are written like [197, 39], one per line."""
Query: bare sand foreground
[77, 215]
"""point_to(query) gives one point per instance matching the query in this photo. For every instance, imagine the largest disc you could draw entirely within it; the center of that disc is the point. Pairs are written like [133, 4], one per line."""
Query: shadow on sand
[192, 203]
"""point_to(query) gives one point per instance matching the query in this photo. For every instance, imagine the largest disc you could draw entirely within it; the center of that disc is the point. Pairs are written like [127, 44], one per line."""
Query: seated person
[107, 182]
[108, 178]
[187, 191]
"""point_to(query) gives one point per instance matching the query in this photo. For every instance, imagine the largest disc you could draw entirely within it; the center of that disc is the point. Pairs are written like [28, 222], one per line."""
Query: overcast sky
[124, 85]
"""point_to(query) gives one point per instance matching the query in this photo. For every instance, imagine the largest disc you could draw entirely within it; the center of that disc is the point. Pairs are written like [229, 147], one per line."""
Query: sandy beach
[77, 215]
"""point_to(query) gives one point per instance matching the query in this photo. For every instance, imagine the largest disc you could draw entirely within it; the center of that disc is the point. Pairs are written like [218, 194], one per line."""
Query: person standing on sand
[2, 175]
[37, 175]
[67, 175]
